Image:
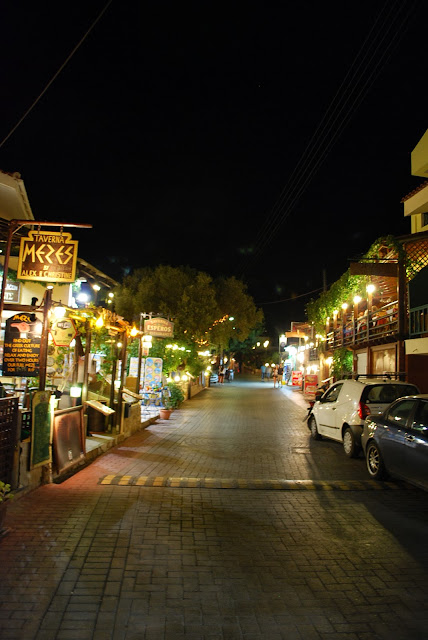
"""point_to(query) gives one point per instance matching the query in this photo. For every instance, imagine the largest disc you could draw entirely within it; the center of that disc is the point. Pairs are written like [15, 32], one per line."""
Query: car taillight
[363, 410]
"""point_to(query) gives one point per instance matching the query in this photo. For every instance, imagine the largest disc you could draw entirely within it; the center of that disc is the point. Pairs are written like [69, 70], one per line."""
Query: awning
[417, 347]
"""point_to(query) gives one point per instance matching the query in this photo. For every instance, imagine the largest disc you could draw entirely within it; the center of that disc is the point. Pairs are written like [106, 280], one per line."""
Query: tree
[201, 309]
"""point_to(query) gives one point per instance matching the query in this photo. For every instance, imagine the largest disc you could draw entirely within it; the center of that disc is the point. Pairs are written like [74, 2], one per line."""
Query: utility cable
[276, 217]
[278, 204]
[54, 77]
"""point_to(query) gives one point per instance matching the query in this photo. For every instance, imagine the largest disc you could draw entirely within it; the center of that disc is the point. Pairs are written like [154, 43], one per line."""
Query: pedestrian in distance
[263, 372]
[221, 374]
[275, 376]
[280, 374]
[268, 371]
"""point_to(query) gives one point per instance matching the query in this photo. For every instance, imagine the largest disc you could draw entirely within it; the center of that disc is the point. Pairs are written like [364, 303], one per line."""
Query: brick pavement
[86, 560]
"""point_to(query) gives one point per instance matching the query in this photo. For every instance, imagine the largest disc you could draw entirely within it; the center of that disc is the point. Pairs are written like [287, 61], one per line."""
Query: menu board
[21, 355]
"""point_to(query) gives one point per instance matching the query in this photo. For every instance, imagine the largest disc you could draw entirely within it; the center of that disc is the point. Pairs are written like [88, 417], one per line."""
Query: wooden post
[122, 379]
[44, 339]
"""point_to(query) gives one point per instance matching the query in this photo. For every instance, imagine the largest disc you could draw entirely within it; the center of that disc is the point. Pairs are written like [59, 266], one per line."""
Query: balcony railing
[373, 326]
[418, 321]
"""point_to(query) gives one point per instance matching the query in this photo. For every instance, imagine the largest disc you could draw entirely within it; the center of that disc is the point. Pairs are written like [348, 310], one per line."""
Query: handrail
[418, 321]
[370, 326]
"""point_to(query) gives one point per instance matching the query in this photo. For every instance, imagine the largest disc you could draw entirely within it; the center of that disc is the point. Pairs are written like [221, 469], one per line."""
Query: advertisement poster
[21, 355]
[153, 372]
[296, 378]
[311, 384]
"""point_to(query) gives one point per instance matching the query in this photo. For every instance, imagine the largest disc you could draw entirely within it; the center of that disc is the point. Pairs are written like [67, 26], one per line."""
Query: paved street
[225, 522]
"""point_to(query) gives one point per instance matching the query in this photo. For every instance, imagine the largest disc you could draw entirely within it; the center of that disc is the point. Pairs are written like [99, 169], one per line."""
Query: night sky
[175, 129]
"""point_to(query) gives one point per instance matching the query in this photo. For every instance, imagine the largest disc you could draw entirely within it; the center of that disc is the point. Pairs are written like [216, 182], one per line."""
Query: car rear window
[387, 393]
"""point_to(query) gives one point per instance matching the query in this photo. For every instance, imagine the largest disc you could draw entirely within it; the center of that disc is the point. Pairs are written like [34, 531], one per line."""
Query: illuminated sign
[47, 256]
[159, 328]
[63, 331]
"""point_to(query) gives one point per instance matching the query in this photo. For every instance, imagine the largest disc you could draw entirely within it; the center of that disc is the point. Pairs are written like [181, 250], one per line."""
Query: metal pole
[140, 355]
[86, 360]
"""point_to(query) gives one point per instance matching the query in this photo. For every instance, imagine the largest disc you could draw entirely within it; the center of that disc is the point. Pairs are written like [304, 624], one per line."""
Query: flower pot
[165, 413]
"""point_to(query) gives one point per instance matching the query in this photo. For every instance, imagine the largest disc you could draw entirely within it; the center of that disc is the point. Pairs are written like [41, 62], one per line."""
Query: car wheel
[314, 429]
[375, 465]
[350, 446]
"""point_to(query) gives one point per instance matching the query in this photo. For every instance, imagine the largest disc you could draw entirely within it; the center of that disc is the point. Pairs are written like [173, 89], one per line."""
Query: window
[333, 393]
[420, 422]
[424, 219]
[399, 412]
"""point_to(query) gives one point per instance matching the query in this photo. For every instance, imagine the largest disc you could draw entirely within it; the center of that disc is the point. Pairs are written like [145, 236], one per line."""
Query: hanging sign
[63, 331]
[12, 291]
[159, 328]
[22, 339]
[47, 256]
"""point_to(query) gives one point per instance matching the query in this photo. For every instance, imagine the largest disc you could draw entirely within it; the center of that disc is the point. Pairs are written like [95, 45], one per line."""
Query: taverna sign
[47, 256]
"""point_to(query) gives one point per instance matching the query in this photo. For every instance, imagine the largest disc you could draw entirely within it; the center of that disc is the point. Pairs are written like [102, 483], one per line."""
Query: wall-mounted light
[75, 391]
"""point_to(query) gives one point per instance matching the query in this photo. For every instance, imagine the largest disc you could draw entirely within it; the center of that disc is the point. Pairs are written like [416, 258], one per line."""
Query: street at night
[225, 522]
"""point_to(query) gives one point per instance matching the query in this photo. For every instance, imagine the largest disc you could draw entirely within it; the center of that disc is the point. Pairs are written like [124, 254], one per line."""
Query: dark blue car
[396, 442]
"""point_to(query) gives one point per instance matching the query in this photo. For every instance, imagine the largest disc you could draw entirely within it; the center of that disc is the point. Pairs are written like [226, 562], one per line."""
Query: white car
[340, 413]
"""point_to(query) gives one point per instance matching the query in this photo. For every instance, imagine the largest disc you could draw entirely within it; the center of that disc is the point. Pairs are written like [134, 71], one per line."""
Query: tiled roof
[415, 191]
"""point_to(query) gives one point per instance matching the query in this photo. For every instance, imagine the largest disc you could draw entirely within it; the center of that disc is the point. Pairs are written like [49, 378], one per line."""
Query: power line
[54, 77]
[356, 88]
[301, 295]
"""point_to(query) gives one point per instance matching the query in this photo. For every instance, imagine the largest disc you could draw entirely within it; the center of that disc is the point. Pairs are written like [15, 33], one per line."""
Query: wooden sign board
[159, 328]
[383, 269]
[48, 256]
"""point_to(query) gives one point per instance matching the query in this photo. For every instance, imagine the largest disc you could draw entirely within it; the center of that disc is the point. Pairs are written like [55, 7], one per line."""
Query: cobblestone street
[225, 522]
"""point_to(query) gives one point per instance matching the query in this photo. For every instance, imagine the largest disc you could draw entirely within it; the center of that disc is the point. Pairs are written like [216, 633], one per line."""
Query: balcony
[418, 321]
[375, 327]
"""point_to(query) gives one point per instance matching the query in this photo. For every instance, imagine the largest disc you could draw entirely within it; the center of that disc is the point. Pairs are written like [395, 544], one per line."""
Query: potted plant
[166, 410]
[172, 397]
[5, 496]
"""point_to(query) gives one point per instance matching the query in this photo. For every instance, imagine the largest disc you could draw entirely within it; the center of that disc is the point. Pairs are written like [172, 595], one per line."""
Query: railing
[377, 324]
[418, 321]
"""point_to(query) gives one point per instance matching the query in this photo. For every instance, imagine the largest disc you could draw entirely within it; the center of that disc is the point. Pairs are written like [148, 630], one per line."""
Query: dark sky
[175, 128]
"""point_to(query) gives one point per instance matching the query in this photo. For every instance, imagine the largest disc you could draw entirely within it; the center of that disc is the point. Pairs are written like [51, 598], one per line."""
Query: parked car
[396, 442]
[340, 412]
